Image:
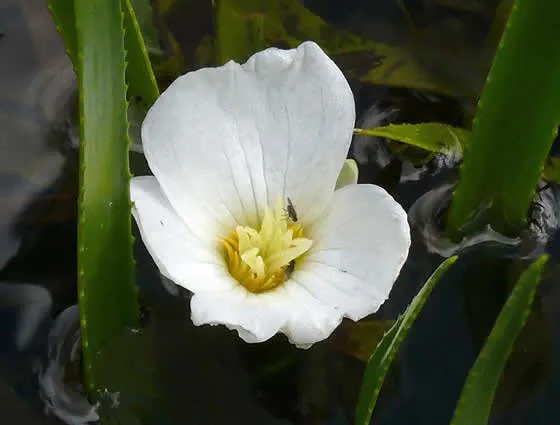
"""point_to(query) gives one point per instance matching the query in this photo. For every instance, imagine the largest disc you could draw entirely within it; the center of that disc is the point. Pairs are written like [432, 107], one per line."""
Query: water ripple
[63, 399]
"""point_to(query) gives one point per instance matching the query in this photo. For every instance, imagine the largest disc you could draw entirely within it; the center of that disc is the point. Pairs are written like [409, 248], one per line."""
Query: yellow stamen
[260, 260]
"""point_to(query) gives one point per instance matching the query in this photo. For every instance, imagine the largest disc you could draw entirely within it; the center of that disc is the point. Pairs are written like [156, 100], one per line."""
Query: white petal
[289, 309]
[224, 142]
[178, 253]
[359, 247]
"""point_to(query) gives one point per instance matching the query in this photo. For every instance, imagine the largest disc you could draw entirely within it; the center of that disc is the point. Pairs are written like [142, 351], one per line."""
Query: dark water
[209, 376]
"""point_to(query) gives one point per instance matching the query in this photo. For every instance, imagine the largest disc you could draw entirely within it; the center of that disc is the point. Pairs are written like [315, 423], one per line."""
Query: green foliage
[145, 16]
[247, 26]
[62, 12]
[443, 139]
[514, 126]
[379, 362]
[432, 137]
[106, 286]
[476, 399]
[139, 73]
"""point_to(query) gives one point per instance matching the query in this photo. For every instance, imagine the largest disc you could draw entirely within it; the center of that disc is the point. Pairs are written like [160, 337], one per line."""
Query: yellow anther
[262, 260]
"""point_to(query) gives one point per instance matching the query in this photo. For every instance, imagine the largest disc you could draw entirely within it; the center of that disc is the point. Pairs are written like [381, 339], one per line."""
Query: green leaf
[139, 73]
[145, 17]
[247, 26]
[444, 139]
[433, 137]
[62, 12]
[515, 124]
[379, 362]
[106, 286]
[477, 396]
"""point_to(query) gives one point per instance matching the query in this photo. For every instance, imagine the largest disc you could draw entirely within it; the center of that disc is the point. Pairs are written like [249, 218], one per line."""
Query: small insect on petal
[291, 211]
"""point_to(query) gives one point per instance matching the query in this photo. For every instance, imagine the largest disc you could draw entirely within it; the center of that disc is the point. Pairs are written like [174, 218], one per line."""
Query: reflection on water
[31, 305]
[426, 214]
[34, 85]
[60, 398]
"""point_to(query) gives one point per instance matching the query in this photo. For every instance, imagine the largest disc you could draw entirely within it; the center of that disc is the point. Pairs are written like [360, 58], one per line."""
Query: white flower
[228, 146]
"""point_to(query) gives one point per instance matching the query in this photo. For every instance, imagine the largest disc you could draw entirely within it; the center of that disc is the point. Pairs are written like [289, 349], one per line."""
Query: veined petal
[178, 253]
[289, 309]
[358, 250]
[226, 142]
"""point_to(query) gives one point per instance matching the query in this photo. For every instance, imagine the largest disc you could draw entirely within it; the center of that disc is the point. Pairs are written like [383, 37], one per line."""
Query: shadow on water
[209, 375]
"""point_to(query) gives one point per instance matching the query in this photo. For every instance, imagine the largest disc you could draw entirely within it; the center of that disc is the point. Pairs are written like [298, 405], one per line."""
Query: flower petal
[178, 253]
[359, 247]
[226, 142]
[348, 174]
[288, 309]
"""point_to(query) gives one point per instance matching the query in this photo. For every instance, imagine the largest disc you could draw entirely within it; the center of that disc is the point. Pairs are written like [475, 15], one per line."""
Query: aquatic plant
[252, 206]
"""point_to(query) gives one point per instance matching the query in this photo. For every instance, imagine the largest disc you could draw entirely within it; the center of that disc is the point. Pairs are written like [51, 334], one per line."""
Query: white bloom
[228, 146]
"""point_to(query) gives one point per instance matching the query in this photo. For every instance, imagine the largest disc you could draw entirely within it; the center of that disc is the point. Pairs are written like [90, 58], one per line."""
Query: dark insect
[290, 268]
[291, 211]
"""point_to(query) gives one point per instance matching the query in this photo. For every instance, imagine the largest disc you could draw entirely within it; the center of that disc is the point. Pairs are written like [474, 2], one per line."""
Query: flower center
[262, 260]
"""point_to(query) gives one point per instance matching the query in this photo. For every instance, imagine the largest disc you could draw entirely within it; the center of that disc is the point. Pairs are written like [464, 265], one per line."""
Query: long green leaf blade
[514, 126]
[475, 403]
[106, 287]
[379, 362]
[139, 73]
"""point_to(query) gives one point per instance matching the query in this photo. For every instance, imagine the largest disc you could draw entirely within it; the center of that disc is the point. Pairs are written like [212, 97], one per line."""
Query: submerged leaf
[359, 339]
[379, 362]
[476, 399]
[247, 26]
